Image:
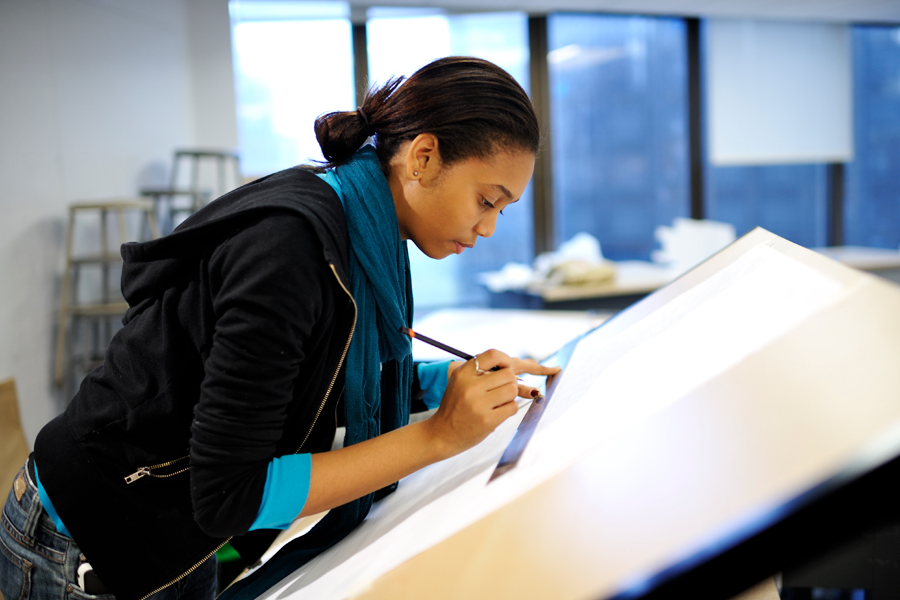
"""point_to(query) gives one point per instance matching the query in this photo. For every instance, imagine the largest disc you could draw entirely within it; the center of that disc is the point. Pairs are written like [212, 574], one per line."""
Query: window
[619, 117]
[788, 200]
[399, 42]
[284, 79]
[872, 205]
[618, 90]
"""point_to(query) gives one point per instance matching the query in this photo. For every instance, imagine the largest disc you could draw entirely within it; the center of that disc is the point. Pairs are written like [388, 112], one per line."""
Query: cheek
[449, 214]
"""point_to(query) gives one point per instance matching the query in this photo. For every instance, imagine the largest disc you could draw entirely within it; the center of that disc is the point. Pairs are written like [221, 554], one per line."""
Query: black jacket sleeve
[268, 287]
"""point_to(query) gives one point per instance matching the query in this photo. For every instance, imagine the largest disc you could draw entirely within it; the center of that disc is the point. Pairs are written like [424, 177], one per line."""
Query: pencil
[437, 344]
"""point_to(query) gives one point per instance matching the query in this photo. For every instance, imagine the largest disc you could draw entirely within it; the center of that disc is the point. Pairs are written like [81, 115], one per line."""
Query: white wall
[212, 75]
[94, 97]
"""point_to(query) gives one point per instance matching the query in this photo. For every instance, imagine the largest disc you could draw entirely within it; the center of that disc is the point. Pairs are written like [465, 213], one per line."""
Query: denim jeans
[37, 562]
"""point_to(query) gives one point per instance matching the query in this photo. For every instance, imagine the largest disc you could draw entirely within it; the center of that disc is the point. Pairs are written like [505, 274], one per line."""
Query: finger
[505, 411]
[526, 391]
[534, 368]
[502, 394]
[493, 358]
[498, 380]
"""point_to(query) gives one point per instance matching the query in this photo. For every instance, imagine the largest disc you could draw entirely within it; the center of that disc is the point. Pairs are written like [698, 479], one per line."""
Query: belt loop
[34, 515]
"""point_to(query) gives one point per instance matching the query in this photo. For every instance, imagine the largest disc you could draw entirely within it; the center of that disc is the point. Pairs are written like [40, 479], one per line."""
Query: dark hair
[473, 107]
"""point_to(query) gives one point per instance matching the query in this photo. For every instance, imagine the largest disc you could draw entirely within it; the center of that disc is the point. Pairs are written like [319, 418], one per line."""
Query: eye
[486, 203]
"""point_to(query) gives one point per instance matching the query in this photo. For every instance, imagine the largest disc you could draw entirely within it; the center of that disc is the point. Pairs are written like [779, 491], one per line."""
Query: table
[636, 279]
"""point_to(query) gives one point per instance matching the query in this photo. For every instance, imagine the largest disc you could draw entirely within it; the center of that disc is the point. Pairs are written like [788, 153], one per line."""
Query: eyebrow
[503, 189]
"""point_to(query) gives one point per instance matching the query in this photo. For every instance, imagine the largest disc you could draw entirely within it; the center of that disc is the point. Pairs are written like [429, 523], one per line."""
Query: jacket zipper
[146, 470]
[189, 571]
[340, 362]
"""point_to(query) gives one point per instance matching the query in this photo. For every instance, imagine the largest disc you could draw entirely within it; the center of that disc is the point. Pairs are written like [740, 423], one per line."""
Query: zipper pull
[137, 475]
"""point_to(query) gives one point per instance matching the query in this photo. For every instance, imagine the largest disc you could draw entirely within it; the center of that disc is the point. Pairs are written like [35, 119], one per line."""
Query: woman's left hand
[519, 367]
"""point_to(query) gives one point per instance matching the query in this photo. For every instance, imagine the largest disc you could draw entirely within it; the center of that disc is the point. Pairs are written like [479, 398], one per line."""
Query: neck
[398, 193]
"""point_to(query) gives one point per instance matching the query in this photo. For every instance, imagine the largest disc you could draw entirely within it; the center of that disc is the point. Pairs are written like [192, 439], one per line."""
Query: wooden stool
[170, 204]
[220, 158]
[99, 311]
[181, 199]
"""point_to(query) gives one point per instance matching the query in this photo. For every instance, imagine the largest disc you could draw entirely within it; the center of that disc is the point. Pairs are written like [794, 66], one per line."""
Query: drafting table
[701, 466]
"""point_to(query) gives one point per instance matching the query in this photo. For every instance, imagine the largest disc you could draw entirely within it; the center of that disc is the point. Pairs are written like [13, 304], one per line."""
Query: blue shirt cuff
[433, 379]
[48, 506]
[287, 487]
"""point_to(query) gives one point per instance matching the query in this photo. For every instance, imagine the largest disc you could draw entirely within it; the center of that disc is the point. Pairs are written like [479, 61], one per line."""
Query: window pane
[618, 89]
[280, 90]
[398, 45]
[872, 208]
[788, 200]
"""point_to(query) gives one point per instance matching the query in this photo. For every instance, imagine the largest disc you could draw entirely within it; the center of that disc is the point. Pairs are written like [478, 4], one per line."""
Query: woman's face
[445, 209]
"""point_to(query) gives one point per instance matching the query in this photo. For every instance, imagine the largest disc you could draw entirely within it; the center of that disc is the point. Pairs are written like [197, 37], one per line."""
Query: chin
[432, 252]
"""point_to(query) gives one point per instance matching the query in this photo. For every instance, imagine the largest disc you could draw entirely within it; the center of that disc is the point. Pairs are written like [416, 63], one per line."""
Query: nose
[486, 226]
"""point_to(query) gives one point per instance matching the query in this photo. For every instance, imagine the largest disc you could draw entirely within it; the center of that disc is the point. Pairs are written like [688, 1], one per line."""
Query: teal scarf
[381, 285]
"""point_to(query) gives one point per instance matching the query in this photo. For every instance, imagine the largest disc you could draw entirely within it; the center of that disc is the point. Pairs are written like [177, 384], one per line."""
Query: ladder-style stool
[106, 304]
[186, 195]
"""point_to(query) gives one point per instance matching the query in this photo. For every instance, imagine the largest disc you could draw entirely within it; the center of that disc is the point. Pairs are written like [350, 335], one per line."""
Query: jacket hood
[149, 267]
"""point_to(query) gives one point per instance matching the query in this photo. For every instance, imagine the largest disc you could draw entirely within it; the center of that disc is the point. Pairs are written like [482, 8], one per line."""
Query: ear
[423, 158]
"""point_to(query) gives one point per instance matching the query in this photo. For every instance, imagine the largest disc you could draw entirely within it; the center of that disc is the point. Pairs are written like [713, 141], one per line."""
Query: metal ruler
[529, 423]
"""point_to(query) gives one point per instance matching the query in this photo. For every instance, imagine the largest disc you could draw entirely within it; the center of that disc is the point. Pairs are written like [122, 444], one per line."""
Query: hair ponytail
[473, 106]
[340, 134]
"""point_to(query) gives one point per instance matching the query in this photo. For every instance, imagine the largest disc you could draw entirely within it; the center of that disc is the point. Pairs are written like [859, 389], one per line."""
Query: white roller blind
[778, 92]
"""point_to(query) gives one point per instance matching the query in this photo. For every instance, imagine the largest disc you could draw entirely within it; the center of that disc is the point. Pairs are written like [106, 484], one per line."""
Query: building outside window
[618, 88]
[872, 205]
[788, 200]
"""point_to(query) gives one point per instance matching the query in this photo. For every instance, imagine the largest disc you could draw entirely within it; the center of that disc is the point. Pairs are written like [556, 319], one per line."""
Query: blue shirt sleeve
[433, 380]
[287, 487]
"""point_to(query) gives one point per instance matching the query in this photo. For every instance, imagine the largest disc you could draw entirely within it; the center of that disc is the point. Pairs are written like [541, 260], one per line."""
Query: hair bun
[341, 134]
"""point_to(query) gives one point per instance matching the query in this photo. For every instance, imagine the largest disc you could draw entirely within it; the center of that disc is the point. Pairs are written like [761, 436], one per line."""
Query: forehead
[505, 174]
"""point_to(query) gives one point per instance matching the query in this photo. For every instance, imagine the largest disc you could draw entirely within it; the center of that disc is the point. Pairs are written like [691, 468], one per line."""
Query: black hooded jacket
[231, 354]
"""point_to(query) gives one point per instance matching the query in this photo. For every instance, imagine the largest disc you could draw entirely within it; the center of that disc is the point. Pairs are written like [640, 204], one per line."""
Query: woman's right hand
[475, 403]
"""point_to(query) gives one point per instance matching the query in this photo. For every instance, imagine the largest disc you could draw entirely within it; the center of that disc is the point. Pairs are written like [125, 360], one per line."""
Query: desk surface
[632, 277]
[865, 259]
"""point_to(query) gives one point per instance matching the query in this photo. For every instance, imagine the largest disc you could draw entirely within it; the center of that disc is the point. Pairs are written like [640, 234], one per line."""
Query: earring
[415, 173]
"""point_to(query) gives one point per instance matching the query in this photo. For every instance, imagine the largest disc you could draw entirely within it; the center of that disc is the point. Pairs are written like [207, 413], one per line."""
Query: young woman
[260, 323]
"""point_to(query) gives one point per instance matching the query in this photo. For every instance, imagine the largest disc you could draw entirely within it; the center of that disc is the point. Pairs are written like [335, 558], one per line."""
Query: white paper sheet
[610, 383]
[615, 383]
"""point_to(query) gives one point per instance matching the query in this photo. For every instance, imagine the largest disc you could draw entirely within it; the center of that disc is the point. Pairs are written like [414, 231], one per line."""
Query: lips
[460, 247]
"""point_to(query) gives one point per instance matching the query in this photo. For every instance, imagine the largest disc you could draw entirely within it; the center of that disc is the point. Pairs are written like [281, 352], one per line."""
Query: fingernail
[535, 393]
